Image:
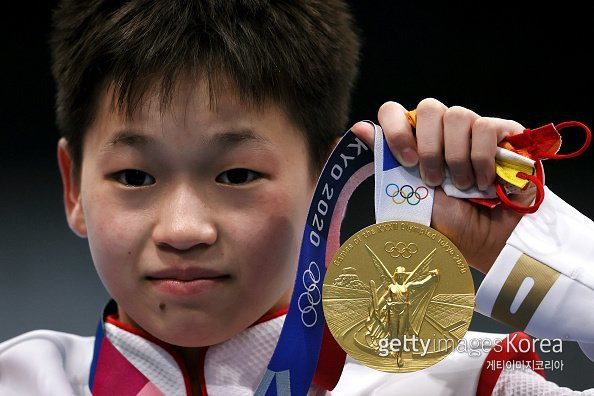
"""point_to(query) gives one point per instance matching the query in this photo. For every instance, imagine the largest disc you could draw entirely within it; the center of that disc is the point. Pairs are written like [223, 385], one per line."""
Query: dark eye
[238, 176]
[134, 178]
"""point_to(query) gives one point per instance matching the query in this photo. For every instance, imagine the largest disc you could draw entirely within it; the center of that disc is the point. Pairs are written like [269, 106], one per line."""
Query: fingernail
[434, 177]
[365, 122]
[482, 183]
[461, 181]
[408, 157]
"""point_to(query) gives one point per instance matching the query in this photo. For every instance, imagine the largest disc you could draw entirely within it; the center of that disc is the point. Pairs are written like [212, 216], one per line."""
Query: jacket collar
[132, 361]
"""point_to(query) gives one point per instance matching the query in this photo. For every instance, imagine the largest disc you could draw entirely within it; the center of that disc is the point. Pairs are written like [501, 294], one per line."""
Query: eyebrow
[225, 140]
[234, 138]
[129, 138]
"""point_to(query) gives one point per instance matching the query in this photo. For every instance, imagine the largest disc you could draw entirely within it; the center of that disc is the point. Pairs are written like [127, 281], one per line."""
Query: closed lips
[186, 274]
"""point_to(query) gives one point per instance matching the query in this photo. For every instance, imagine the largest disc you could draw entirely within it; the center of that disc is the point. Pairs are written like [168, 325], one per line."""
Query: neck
[191, 358]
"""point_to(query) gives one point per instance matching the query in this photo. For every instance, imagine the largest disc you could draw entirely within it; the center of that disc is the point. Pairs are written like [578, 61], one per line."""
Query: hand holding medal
[399, 294]
[391, 313]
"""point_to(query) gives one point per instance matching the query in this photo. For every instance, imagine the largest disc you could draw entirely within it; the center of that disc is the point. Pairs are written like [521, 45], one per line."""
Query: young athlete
[193, 134]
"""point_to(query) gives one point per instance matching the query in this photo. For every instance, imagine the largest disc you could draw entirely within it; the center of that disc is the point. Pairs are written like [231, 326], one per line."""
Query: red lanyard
[538, 144]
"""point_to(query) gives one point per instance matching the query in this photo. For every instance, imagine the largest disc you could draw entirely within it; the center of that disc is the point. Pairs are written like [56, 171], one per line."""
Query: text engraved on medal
[394, 301]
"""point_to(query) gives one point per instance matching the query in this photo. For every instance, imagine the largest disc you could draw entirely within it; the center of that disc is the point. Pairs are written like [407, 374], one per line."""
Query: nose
[185, 220]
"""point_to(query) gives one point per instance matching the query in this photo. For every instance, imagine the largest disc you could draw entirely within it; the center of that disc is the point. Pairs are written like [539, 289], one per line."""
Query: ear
[71, 186]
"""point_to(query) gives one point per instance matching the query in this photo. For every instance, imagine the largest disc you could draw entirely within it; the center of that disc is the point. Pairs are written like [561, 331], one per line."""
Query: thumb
[364, 131]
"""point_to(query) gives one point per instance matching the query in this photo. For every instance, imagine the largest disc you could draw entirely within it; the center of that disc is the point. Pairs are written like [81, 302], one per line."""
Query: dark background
[530, 65]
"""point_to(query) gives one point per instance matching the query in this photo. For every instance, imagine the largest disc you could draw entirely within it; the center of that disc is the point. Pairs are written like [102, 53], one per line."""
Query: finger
[486, 133]
[457, 124]
[398, 133]
[430, 140]
[364, 131]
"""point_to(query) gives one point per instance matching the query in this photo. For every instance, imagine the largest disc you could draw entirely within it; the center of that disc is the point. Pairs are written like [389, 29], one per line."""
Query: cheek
[270, 239]
[116, 237]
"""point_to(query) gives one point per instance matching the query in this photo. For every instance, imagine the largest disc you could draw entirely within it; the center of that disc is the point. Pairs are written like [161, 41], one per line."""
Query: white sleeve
[525, 382]
[542, 282]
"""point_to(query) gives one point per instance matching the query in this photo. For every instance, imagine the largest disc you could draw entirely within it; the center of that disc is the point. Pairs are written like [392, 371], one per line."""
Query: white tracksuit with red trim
[45, 362]
[51, 363]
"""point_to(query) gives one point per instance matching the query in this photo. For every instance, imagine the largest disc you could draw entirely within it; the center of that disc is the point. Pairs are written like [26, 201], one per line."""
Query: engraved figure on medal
[401, 308]
[398, 296]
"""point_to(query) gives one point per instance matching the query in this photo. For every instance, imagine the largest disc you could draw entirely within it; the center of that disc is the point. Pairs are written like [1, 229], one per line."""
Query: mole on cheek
[162, 306]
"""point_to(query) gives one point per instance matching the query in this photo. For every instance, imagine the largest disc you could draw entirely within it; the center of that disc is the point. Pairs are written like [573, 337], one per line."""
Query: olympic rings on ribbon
[312, 295]
[406, 196]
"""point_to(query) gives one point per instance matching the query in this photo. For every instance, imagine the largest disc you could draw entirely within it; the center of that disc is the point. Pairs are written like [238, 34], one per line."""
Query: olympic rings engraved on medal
[311, 297]
[393, 191]
[401, 249]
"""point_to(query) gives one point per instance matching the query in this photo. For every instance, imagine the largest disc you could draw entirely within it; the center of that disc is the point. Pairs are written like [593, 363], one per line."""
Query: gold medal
[398, 296]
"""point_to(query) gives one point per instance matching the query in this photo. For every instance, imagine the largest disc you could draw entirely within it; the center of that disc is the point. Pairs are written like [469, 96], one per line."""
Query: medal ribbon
[293, 364]
[399, 193]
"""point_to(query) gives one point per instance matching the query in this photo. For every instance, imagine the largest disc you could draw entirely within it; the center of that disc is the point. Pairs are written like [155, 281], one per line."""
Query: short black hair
[301, 54]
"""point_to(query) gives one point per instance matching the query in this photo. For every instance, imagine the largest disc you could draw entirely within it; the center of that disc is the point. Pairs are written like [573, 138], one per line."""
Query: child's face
[208, 242]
